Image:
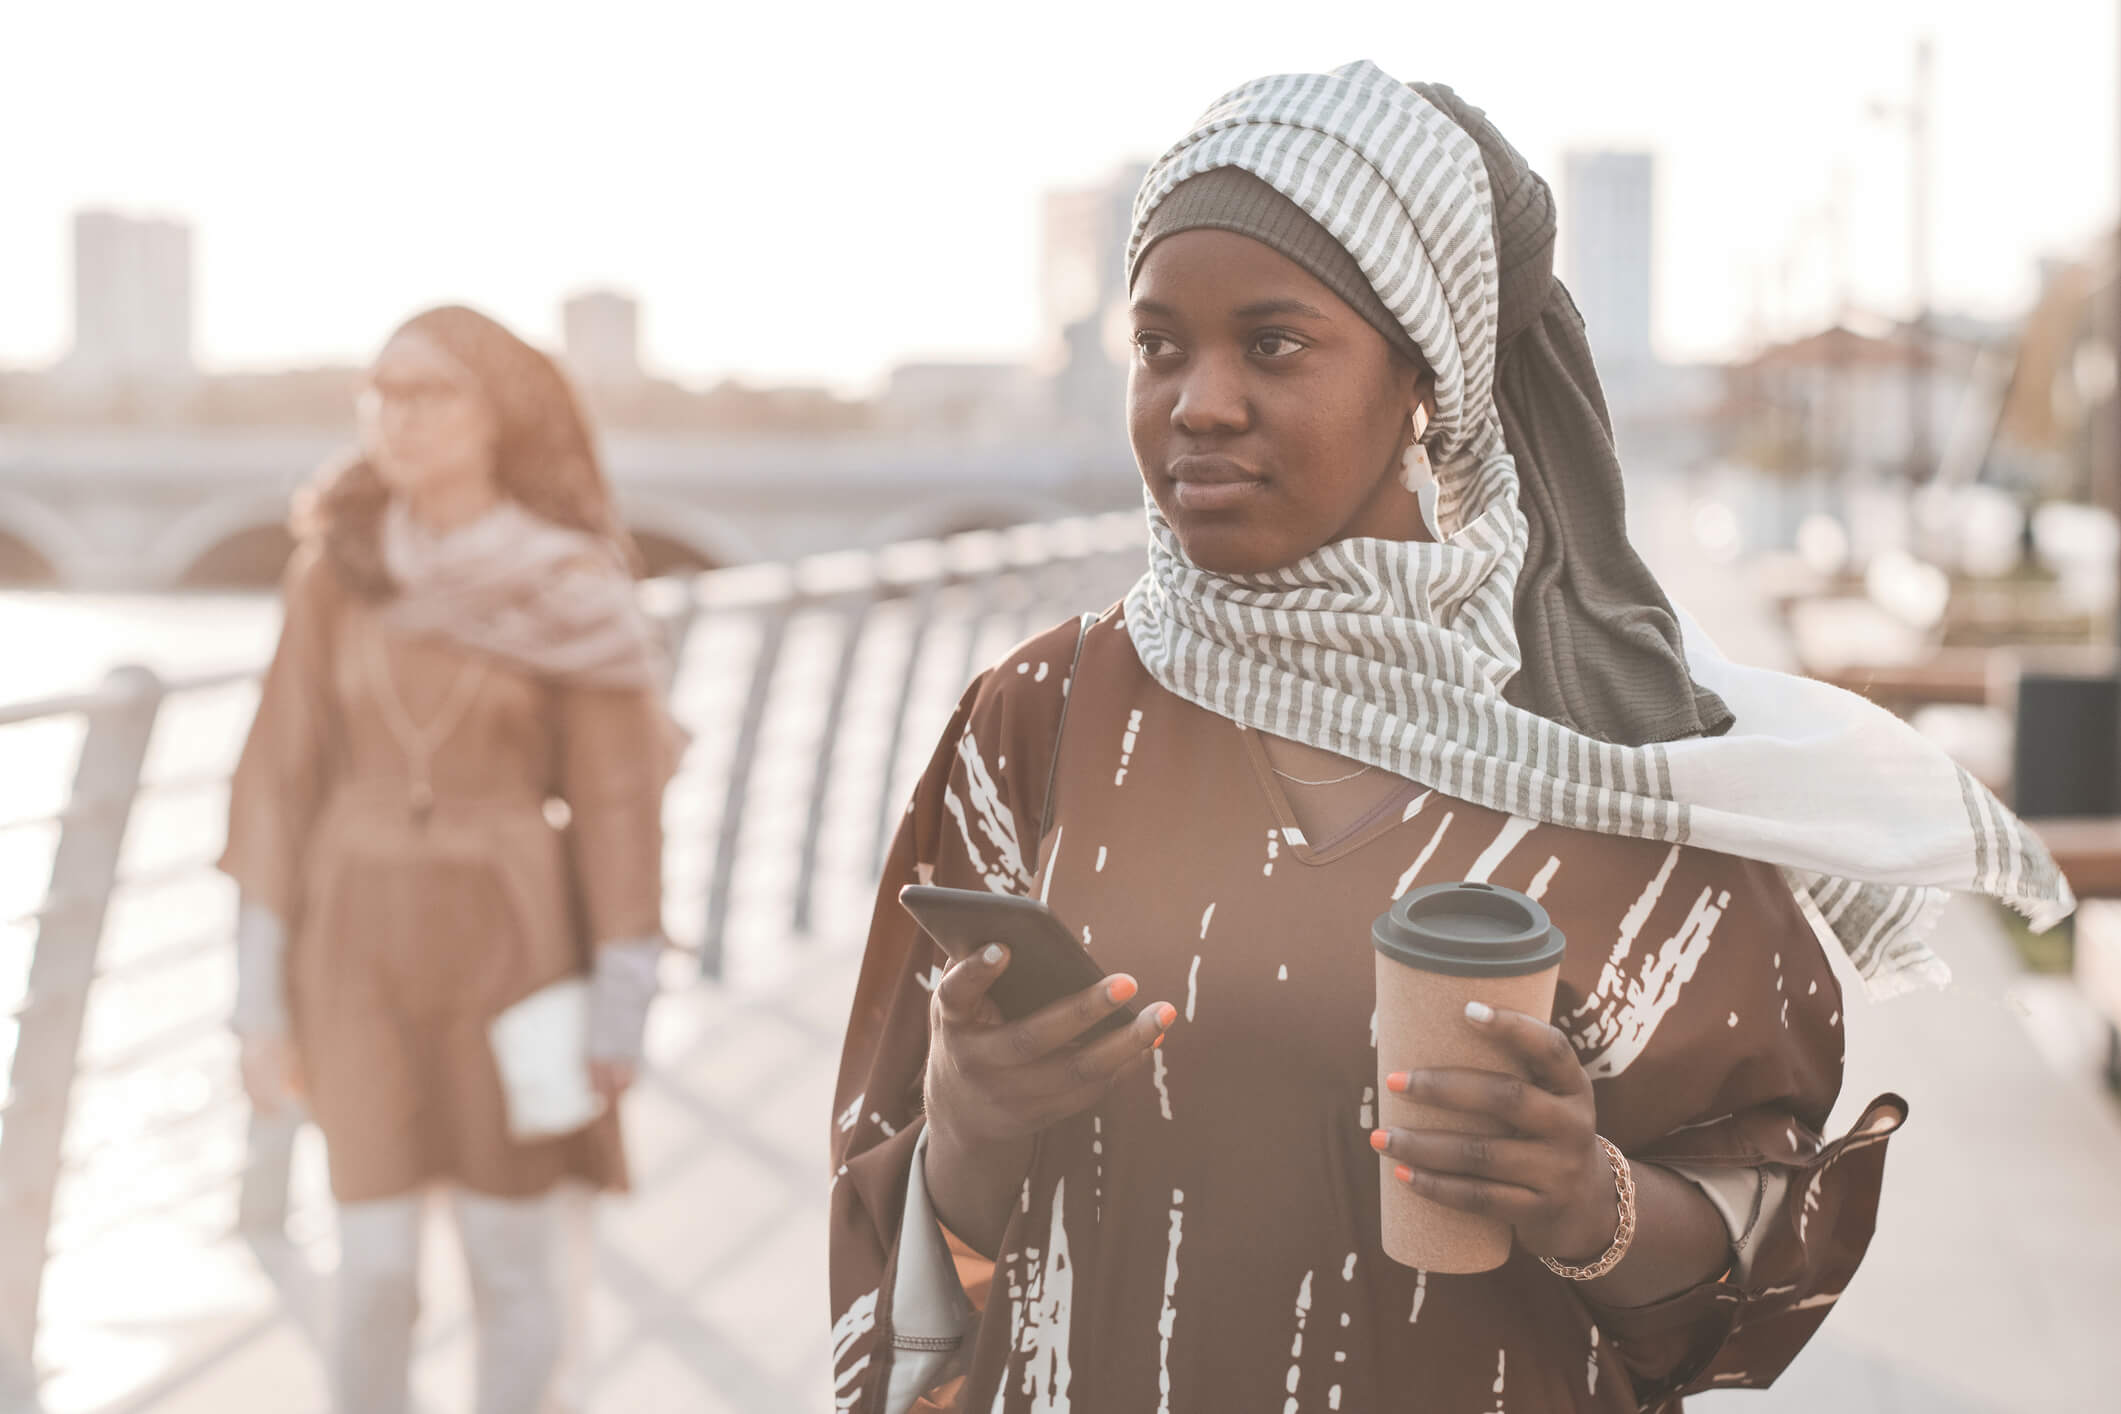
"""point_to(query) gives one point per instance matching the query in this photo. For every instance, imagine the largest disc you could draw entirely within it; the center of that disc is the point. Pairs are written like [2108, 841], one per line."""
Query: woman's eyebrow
[1273, 308]
[1156, 311]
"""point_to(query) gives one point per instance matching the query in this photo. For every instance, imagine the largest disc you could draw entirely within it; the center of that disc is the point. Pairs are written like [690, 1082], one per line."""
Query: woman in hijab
[1391, 633]
[451, 799]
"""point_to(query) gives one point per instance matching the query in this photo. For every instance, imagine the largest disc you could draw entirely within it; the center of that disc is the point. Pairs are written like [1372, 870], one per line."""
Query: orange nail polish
[1378, 1140]
[1403, 1174]
[1166, 1014]
[1121, 989]
[1157, 1042]
[1396, 1082]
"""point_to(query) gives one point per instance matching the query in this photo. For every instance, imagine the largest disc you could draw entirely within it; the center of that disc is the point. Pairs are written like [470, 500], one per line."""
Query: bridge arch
[677, 537]
[243, 542]
[38, 546]
[932, 520]
[233, 542]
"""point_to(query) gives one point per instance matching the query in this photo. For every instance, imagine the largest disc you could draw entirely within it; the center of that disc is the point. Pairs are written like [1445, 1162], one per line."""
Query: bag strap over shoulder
[1082, 634]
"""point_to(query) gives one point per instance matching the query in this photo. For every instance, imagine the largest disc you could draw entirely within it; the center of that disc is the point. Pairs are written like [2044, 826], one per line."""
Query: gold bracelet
[1624, 1185]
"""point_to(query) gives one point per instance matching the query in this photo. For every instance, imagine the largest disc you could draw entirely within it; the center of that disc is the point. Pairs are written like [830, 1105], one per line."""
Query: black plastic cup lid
[1469, 930]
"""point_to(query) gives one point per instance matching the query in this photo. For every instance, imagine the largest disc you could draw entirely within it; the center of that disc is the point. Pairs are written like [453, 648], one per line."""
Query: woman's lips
[1215, 495]
[1213, 483]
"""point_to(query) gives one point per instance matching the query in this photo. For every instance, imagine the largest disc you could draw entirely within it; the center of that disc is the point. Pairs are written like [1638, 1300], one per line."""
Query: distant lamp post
[1914, 118]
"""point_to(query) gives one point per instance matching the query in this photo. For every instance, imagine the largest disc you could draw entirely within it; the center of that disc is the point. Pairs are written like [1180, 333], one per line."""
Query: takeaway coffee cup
[1438, 948]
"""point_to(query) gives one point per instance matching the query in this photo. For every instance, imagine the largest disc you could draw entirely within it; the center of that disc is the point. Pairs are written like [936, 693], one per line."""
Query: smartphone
[1046, 963]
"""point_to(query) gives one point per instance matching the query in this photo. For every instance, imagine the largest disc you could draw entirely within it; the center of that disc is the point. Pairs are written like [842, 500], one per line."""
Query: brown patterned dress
[417, 911]
[1207, 1239]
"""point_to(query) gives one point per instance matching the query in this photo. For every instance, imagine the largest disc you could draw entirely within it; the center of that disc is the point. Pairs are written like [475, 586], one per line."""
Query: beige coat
[415, 916]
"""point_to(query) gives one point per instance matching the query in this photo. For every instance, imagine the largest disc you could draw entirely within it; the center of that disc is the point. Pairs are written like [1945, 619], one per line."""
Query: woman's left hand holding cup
[1545, 1173]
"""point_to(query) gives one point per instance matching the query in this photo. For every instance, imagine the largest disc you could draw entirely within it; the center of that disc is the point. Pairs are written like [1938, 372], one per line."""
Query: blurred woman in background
[451, 800]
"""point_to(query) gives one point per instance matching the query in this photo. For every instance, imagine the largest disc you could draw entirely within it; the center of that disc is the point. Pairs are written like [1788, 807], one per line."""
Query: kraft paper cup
[1438, 948]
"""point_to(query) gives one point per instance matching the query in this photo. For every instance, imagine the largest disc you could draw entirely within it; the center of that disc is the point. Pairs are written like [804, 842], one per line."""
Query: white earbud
[1414, 470]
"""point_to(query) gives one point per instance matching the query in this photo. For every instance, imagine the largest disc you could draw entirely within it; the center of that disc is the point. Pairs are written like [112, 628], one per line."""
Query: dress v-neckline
[1364, 828]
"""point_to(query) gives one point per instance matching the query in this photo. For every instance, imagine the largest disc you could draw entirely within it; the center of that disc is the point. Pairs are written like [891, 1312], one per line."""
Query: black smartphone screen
[1046, 963]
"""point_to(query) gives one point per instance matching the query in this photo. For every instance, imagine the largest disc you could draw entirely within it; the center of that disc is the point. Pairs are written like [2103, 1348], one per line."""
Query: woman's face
[1268, 417]
[424, 423]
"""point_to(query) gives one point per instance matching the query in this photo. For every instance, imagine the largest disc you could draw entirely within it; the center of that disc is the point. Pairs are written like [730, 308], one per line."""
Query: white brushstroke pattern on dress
[1506, 839]
[1421, 861]
[1630, 1009]
[853, 1113]
[1340, 1357]
[1167, 1319]
[1543, 878]
[1296, 1347]
[1630, 925]
[1192, 985]
[1045, 885]
[1158, 1073]
[1811, 1197]
[1126, 746]
[1016, 1323]
[1421, 1293]
[1008, 874]
[1097, 1147]
[1049, 1308]
[855, 1322]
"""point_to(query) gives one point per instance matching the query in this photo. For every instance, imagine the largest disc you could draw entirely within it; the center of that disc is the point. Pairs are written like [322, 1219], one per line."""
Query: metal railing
[814, 684]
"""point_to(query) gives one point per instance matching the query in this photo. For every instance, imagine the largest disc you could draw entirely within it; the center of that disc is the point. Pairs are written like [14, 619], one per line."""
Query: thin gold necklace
[1298, 780]
[420, 740]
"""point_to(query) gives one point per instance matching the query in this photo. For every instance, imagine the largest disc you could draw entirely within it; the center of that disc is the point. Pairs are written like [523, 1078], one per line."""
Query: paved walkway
[708, 1296]
[1994, 1284]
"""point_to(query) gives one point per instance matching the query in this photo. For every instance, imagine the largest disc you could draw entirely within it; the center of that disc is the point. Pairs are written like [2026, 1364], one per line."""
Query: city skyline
[840, 247]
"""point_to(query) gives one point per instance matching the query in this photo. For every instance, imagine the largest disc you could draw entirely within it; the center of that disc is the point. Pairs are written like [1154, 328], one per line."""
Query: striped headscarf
[1398, 653]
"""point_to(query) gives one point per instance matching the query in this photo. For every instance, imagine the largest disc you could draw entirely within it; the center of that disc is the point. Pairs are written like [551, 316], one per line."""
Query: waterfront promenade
[1993, 1287]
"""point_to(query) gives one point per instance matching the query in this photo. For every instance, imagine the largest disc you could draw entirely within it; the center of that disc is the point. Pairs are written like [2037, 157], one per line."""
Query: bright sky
[817, 191]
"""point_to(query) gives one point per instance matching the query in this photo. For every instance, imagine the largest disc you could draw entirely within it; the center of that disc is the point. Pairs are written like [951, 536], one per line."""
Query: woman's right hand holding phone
[993, 1084]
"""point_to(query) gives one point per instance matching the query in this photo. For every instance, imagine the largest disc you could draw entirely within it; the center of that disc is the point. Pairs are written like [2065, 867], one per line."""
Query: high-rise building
[132, 300]
[1083, 294]
[602, 329]
[1084, 248]
[1606, 219]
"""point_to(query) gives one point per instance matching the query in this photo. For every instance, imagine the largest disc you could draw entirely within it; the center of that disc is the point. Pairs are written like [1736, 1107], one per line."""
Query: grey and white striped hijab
[1396, 653]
